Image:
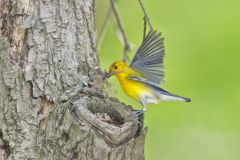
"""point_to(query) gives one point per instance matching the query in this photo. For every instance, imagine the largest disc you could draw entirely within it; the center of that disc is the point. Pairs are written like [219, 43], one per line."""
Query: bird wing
[149, 58]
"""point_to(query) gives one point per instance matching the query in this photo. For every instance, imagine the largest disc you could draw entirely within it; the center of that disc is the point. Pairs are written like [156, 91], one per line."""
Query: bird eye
[115, 67]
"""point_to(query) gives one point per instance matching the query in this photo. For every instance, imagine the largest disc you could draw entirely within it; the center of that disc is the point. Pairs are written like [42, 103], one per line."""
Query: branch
[145, 15]
[144, 27]
[120, 26]
[103, 26]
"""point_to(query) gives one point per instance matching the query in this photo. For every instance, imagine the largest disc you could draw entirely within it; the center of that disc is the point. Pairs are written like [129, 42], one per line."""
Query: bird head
[116, 68]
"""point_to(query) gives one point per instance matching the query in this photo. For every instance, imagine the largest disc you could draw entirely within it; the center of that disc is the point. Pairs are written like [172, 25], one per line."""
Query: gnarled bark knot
[108, 117]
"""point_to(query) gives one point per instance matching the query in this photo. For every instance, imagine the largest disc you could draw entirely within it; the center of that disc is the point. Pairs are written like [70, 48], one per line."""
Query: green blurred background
[202, 40]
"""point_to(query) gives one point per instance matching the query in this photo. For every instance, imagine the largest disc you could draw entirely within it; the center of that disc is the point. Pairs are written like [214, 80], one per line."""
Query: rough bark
[52, 103]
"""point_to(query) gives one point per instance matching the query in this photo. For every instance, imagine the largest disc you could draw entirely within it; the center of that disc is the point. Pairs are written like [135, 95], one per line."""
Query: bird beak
[106, 75]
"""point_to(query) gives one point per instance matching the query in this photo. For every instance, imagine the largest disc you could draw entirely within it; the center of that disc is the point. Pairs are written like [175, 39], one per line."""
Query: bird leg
[137, 113]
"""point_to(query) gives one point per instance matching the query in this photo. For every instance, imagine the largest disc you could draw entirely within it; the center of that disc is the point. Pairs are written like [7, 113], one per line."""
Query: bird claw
[135, 114]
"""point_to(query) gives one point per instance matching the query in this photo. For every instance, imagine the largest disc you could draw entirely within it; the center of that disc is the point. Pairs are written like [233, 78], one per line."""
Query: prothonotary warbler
[141, 79]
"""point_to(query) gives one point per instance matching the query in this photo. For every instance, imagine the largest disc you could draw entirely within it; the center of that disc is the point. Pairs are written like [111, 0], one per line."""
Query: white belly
[149, 98]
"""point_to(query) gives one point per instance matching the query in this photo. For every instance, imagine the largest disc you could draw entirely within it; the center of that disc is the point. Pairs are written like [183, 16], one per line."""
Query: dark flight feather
[149, 58]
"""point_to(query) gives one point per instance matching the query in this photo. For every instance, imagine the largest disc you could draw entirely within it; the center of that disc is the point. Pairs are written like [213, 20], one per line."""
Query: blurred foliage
[202, 62]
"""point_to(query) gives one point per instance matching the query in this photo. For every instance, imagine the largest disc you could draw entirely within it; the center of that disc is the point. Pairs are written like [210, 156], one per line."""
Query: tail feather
[166, 96]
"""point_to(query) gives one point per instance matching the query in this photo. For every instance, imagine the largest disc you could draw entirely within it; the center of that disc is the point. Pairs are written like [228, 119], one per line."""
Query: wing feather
[149, 58]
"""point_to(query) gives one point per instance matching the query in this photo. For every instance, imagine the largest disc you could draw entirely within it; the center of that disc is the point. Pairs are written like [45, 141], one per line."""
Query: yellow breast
[133, 89]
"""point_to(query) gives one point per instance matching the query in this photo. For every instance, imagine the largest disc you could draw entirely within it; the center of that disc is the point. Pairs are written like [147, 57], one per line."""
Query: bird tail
[166, 96]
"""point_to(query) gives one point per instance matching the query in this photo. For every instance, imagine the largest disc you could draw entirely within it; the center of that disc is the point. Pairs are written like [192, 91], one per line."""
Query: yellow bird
[141, 79]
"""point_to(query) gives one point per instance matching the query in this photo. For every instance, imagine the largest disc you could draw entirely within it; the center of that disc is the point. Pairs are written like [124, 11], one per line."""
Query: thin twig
[103, 26]
[120, 26]
[144, 27]
[146, 15]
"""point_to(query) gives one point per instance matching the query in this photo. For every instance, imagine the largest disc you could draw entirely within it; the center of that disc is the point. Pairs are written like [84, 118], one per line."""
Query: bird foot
[136, 113]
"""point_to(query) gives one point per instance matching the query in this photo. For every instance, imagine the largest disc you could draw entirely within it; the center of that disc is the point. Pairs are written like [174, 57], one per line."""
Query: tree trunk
[52, 103]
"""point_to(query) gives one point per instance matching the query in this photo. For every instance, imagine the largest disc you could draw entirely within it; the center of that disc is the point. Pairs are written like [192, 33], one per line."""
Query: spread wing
[149, 58]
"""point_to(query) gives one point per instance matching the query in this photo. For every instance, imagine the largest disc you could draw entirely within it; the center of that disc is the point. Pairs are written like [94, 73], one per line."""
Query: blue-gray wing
[149, 57]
